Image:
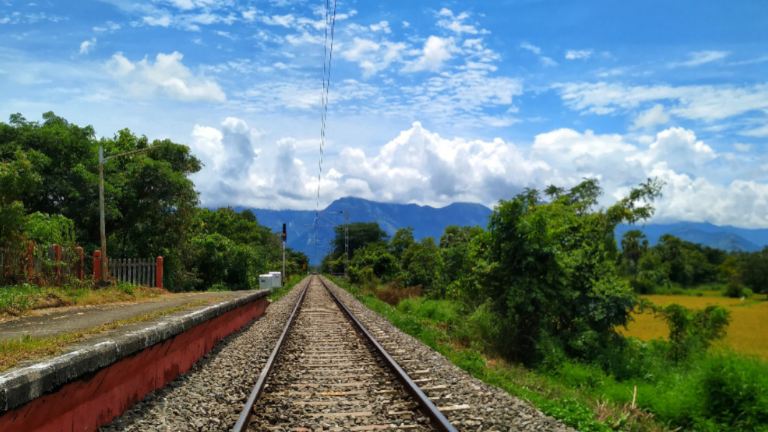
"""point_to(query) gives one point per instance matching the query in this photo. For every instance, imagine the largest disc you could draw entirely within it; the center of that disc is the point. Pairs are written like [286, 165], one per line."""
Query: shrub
[734, 391]
[735, 290]
[642, 286]
[393, 295]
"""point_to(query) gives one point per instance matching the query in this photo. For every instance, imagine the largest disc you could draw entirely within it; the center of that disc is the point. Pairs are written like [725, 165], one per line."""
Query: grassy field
[745, 334]
[18, 300]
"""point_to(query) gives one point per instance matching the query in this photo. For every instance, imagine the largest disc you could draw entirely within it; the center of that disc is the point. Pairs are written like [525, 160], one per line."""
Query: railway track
[327, 372]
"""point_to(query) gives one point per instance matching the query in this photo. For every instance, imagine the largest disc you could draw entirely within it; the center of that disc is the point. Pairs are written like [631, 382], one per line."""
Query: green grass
[14, 351]
[20, 299]
[292, 281]
[432, 322]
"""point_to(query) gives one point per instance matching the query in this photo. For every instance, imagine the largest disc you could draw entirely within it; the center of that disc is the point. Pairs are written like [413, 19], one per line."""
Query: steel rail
[245, 417]
[438, 419]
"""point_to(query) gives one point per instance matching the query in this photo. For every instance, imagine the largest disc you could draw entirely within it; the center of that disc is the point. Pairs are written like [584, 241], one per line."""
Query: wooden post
[31, 259]
[159, 272]
[80, 262]
[57, 258]
[97, 265]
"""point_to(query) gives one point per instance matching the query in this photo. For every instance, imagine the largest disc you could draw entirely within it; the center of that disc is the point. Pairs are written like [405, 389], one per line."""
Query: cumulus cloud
[371, 56]
[423, 167]
[436, 51]
[420, 166]
[166, 76]
[578, 54]
[455, 23]
[652, 117]
[87, 46]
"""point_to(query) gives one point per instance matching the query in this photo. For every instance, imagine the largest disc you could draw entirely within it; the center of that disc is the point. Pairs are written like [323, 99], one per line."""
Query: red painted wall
[88, 404]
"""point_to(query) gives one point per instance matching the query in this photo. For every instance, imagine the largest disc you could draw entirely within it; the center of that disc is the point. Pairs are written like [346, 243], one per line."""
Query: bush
[735, 290]
[394, 295]
[734, 390]
[642, 286]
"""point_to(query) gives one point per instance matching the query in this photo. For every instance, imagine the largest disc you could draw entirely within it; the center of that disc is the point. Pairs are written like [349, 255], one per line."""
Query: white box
[265, 281]
[278, 277]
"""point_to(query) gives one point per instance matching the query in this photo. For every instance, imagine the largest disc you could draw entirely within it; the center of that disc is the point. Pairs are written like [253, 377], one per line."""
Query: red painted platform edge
[87, 404]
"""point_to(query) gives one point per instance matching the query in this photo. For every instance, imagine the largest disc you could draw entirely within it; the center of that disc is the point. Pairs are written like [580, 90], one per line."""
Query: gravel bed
[211, 395]
[327, 377]
[474, 405]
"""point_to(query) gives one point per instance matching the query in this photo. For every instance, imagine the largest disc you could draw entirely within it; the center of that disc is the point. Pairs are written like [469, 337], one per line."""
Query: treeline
[546, 285]
[676, 263]
[49, 194]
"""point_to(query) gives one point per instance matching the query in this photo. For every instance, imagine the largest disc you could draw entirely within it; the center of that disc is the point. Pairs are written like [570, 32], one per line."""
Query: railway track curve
[328, 372]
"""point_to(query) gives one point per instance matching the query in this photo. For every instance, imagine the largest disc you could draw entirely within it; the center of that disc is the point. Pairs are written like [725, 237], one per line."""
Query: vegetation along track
[328, 373]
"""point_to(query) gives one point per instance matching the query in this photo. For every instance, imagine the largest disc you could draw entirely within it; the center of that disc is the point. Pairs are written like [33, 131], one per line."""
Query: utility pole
[346, 245]
[102, 223]
[284, 240]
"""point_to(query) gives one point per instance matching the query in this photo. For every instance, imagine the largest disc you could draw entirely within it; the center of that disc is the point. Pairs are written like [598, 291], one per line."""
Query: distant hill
[430, 222]
[426, 221]
[721, 237]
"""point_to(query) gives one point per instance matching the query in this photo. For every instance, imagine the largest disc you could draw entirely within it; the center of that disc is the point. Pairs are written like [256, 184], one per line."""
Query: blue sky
[431, 102]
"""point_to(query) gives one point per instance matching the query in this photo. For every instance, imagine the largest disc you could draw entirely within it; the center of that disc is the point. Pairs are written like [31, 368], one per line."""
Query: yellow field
[746, 333]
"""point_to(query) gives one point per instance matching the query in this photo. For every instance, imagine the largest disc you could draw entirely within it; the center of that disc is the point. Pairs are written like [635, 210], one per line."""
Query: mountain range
[429, 221]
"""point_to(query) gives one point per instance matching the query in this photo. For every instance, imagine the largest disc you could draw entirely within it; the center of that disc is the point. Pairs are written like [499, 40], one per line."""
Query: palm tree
[633, 246]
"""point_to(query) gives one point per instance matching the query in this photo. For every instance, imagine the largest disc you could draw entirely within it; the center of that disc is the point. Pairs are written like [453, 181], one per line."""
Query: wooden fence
[56, 265]
[136, 271]
[40, 264]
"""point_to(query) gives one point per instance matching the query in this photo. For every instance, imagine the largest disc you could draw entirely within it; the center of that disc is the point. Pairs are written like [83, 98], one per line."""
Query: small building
[266, 281]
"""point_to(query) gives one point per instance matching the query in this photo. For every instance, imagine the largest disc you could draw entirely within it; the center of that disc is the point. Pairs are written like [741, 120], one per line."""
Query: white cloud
[87, 46]
[704, 102]
[532, 48]
[652, 117]
[280, 20]
[162, 21]
[757, 132]
[548, 62]
[742, 147]
[436, 51]
[167, 76]
[109, 26]
[420, 166]
[701, 57]
[372, 56]
[226, 35]
[578, 54]
[382, 26]
[250, 14]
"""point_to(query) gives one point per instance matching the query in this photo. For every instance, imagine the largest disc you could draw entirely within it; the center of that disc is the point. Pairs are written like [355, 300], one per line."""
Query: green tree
[401, 240]
[754, 271]
[633, 245]
[360, 234]
[376, 258]
[457, 258]
[423, 265]
[549, 272]
[693, 331]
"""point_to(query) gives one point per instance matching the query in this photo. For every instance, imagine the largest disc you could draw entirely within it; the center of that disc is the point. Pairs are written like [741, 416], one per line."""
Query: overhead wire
[330, 21]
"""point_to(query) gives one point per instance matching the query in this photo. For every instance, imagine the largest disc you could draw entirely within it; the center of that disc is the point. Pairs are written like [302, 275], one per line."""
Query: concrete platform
[101, 377]
[55, 321]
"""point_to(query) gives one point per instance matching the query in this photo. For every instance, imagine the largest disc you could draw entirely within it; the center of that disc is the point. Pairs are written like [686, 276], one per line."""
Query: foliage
[735, 290]
[49, 193]
[423, 265]
[633, 245]
[360, 234]
[548, 268]
[693, 331]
